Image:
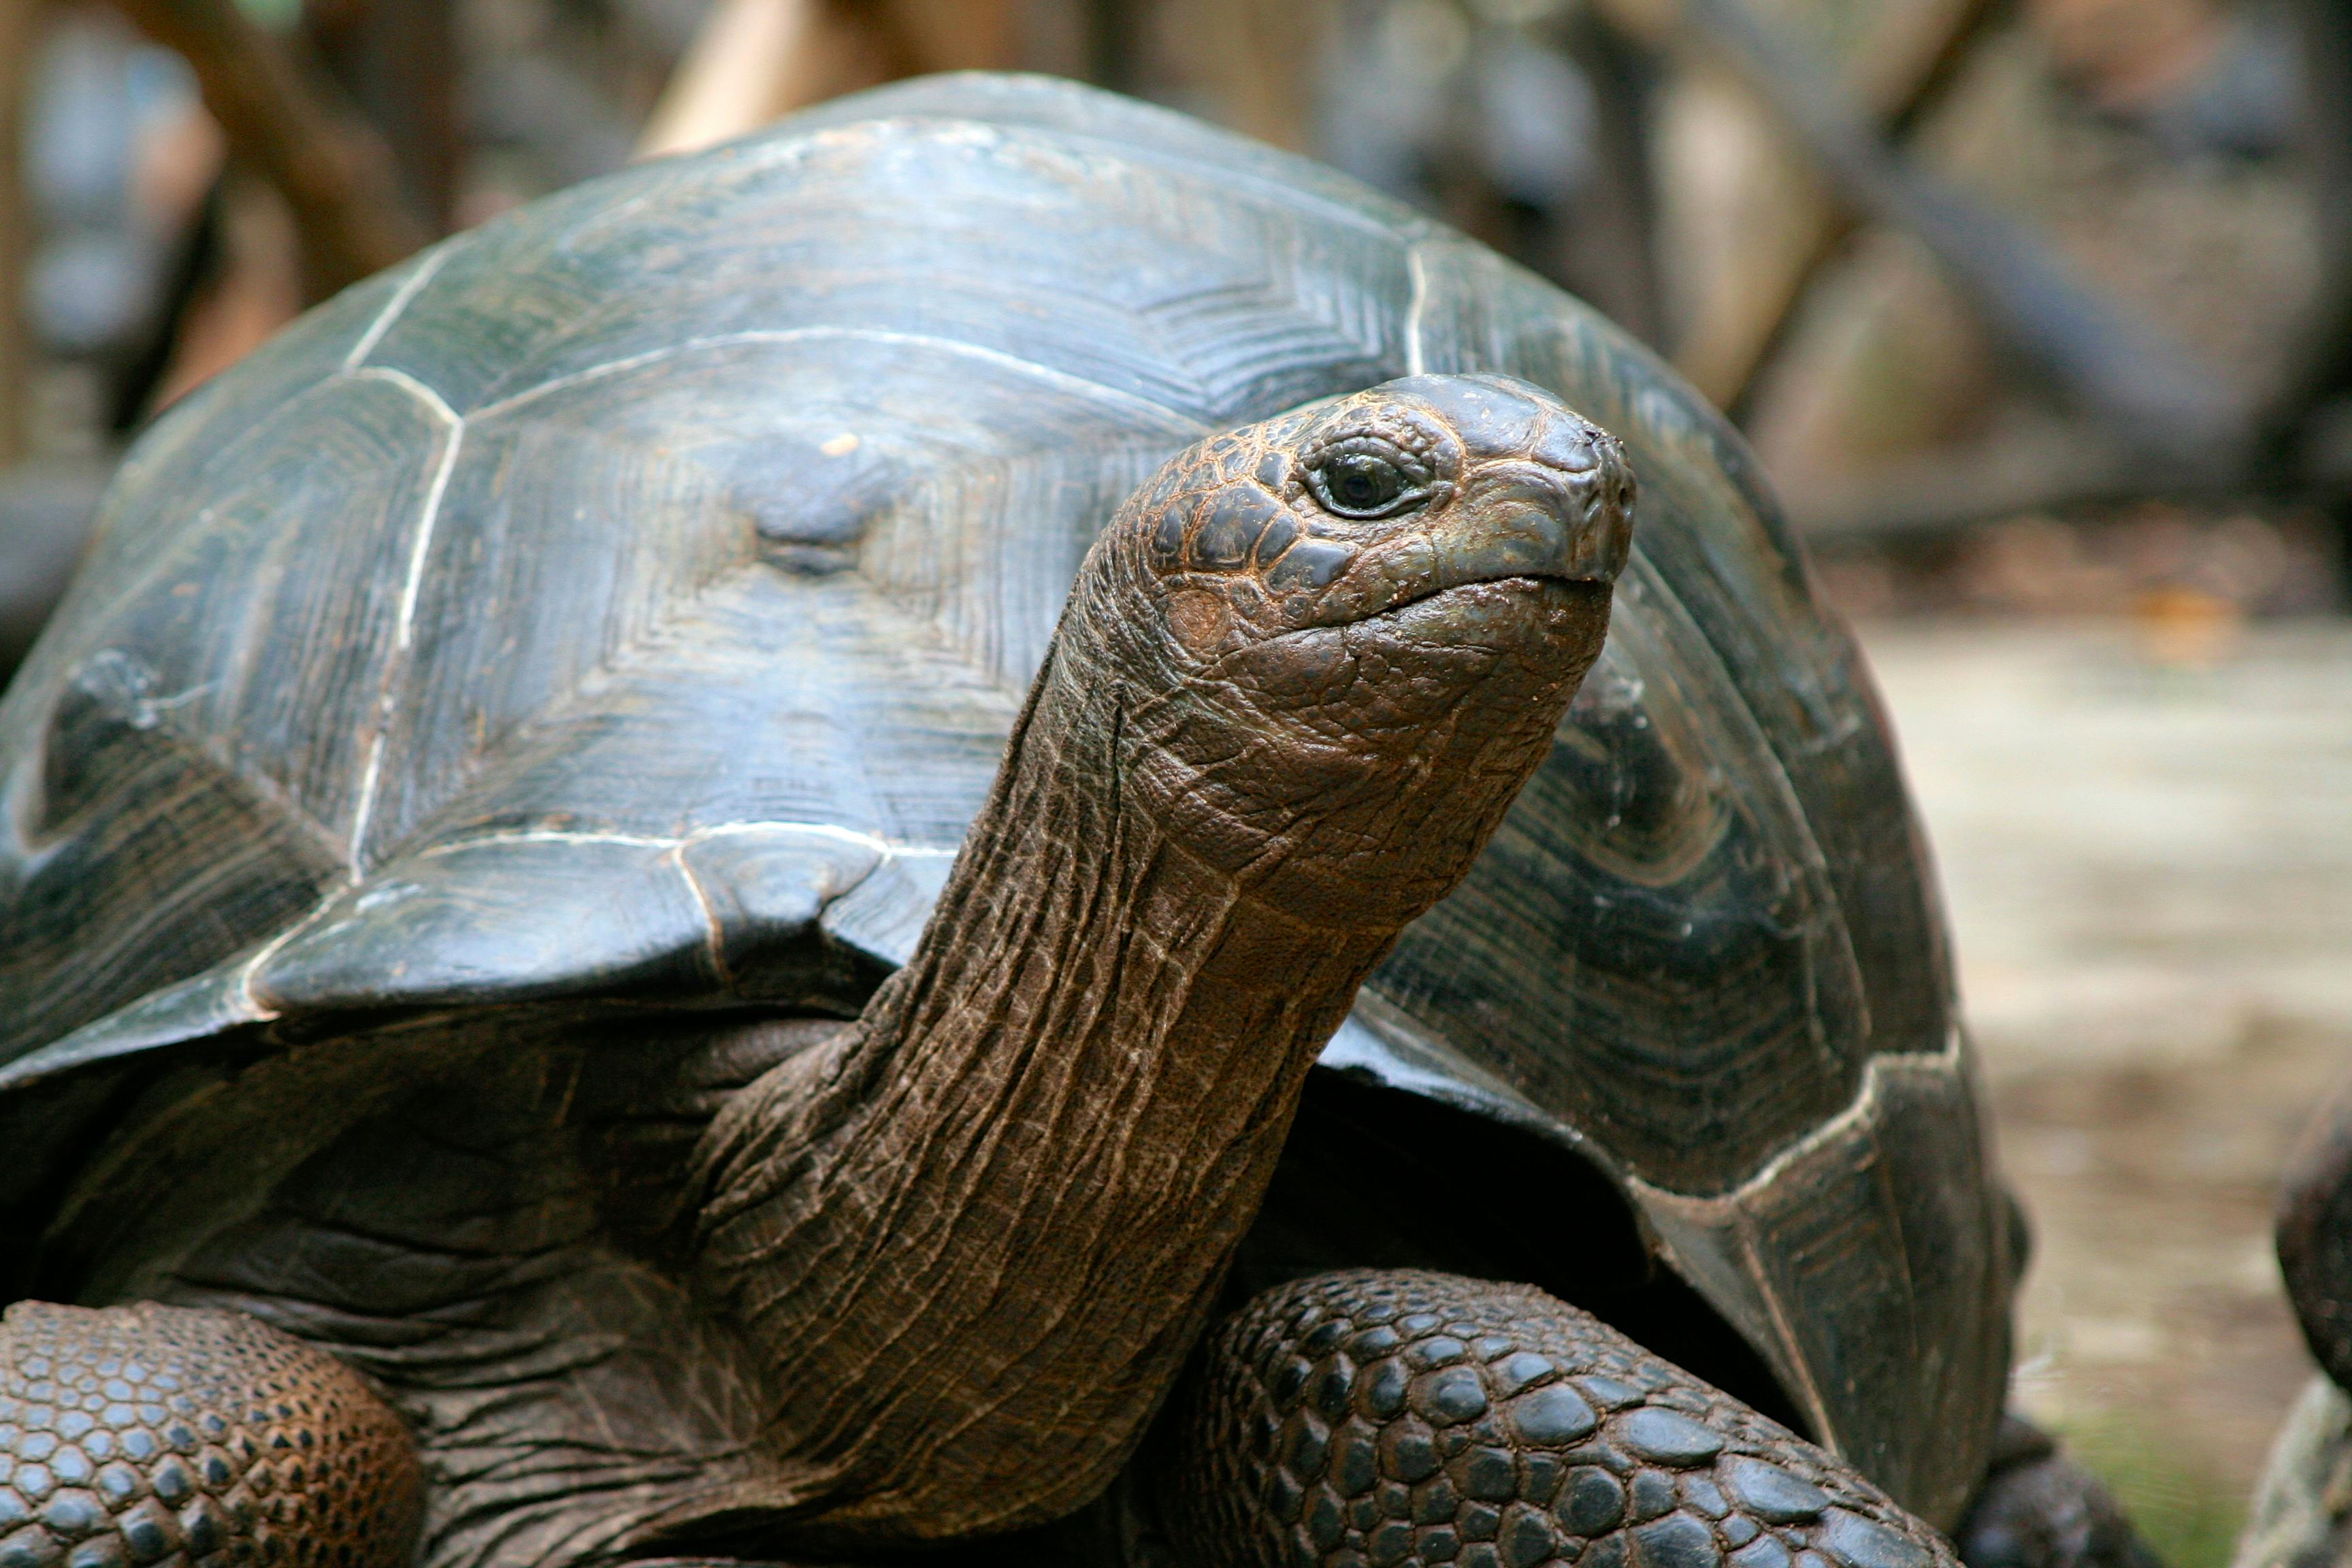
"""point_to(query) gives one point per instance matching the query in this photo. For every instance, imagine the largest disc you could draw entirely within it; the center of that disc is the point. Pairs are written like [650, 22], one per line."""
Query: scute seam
[413, 388]
[880, 846]
[713, 937]
[1793, 1363]
[1865, 1100]
[1180, 422]
[404, 637]
[398, 303]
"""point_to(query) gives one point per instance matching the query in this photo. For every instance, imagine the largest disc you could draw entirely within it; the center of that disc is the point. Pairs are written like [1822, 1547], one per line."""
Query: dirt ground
[2148, 856]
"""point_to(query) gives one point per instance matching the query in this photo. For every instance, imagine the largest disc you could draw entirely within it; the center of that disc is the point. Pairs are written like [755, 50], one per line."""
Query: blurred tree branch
[392, 59]
[2110, 363]
[1737, 335]
[19, 21]
[287, 123]
[2321, 368]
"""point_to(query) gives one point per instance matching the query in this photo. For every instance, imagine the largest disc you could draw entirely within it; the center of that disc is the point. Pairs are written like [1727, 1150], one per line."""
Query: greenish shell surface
[630, 599]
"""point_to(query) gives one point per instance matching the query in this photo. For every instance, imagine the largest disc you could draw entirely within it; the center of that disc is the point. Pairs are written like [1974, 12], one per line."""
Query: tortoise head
[1345, 636]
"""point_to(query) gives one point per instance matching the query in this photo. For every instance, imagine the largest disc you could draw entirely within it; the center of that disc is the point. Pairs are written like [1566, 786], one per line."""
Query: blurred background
[2039, 313]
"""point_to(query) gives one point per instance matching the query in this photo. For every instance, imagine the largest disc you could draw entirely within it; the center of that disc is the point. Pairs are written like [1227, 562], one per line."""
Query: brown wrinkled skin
[974, 1236]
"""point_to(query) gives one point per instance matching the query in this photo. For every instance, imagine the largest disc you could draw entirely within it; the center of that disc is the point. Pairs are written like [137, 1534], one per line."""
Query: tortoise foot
[1385, 1419]
[2037, 1509]
[151, 1435]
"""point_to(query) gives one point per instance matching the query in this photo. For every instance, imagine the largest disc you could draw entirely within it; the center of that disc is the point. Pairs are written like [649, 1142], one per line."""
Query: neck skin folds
[975, 1236]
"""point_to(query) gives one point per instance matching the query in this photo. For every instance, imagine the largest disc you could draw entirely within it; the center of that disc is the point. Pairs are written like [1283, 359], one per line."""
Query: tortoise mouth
[1439, 605]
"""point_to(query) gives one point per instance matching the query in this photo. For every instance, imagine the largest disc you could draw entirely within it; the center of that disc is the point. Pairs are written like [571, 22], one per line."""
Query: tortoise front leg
[1393, 1419]
[150, 1434]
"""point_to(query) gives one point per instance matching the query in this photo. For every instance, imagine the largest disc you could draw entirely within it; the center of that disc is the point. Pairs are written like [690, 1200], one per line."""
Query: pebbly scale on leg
[160, 1435]
[1388, 1420]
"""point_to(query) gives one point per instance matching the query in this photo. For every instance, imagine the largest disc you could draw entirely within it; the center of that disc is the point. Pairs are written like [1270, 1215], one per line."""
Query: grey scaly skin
[2300, 1515]
[928, 1278]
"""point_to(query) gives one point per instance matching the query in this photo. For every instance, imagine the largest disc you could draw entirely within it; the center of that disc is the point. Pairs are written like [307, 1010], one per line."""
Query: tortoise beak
[1529, 519]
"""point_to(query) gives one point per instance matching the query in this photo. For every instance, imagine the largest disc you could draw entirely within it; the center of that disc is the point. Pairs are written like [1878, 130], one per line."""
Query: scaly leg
[1396, 1419]
[150, 1434]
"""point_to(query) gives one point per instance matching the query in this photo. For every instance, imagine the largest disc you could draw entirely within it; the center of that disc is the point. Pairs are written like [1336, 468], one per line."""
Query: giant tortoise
[538, 1030]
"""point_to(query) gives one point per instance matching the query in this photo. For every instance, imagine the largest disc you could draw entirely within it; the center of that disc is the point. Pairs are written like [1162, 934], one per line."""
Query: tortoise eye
[1360, 483]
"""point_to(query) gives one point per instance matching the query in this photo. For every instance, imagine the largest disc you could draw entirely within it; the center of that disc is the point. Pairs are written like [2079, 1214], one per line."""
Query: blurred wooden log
[2055, 469]
[19, 22]
[283, 120]
[540, 100]
[756, 60]
[1255, 58]
[752, 60]
[952, 34]
[1604, 245]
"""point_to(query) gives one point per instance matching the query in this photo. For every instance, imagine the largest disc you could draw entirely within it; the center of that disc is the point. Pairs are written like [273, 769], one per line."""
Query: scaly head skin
[1299, 682]
[1344, 637]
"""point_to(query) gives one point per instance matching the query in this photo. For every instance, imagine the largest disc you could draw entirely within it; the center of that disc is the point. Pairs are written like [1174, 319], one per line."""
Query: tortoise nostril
[1574, 446]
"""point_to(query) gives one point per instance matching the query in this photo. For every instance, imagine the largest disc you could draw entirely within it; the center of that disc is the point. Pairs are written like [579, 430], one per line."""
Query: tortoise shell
[628, 601]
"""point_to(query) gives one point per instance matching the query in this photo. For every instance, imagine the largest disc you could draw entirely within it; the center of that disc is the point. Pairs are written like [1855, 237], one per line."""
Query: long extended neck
[974, 1240]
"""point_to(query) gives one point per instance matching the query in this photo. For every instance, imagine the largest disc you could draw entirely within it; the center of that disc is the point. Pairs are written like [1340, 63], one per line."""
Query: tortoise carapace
[539, 913]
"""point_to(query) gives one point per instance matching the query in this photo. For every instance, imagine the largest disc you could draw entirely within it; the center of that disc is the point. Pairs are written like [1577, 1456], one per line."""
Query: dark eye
[1359, 484]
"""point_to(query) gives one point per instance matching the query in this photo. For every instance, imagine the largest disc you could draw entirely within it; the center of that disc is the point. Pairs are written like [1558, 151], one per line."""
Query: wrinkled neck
[975, 1239]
